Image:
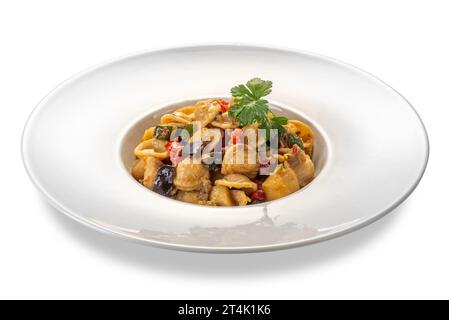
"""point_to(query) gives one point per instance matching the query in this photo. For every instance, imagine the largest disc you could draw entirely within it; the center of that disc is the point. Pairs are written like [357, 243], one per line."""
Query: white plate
[372, 147]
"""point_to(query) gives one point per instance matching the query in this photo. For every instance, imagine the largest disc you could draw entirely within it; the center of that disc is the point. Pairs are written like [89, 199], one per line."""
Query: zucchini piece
[163, 132]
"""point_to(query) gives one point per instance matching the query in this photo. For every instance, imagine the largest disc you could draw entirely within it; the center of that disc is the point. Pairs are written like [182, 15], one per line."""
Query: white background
[43, 254]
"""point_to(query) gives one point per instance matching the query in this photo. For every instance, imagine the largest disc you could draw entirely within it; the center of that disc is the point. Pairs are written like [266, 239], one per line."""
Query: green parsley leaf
[255, 89]
[259, 88]
[242, 94]
[249, 108]
[278, 123]
[251, 112]
[280, 120]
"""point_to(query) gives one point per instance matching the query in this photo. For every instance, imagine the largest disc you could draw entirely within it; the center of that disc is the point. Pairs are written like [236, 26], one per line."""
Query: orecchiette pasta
[224, 121]
[177, 119]
[240, 197]
[148, 134]
[207, 112]
[281, 183]
[204, 154]
[152, 165]
[188, 111]
[191, 176]
[221, 196]
[237, 181]
[151, 148]
[304, 132]
[247, 163]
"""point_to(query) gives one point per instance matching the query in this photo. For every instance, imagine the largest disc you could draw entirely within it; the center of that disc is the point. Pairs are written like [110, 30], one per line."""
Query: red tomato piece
[258, 195]
[224, 105]
[175, 150]
[295, 149]
[237, 136]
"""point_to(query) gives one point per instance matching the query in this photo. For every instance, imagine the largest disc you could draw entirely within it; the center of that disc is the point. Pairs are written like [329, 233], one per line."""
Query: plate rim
[207, 249]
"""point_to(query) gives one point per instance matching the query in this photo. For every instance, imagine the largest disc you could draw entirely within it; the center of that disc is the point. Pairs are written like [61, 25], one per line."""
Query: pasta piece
[191, 176]
[206, 113]
[148, 134]
[224, 121]
[304, 132]
[188, 111]
[284, 150]
[303, 167]
[221, 196]
[153, 148]
[237, 181]
[240, 159]
[138, 169]
[281, 158]
[195, 197]
[177, 119]
[283, 182]
[152, 165]
[240, 197]
[201, 103]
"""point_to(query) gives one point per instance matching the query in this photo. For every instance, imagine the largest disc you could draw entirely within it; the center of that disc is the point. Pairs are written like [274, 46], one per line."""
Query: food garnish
[250, 108]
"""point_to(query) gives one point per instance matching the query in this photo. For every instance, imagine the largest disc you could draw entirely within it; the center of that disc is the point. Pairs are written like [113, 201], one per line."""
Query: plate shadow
[225, 265]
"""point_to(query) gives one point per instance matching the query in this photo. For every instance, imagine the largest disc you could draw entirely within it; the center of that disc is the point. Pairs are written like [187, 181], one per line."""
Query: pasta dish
[226, 152]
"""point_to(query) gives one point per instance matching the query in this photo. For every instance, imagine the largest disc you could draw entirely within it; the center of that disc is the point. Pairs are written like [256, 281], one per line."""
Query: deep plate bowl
[372, 147]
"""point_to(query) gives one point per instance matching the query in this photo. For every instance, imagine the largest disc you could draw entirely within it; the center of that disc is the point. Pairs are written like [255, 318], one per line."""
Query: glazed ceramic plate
[371, 147]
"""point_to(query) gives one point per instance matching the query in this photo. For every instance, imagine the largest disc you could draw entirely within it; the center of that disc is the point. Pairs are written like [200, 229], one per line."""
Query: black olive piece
[165, 177]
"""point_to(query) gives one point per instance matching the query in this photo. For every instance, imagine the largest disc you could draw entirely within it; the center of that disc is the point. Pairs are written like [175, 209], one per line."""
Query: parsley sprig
[249, 107]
